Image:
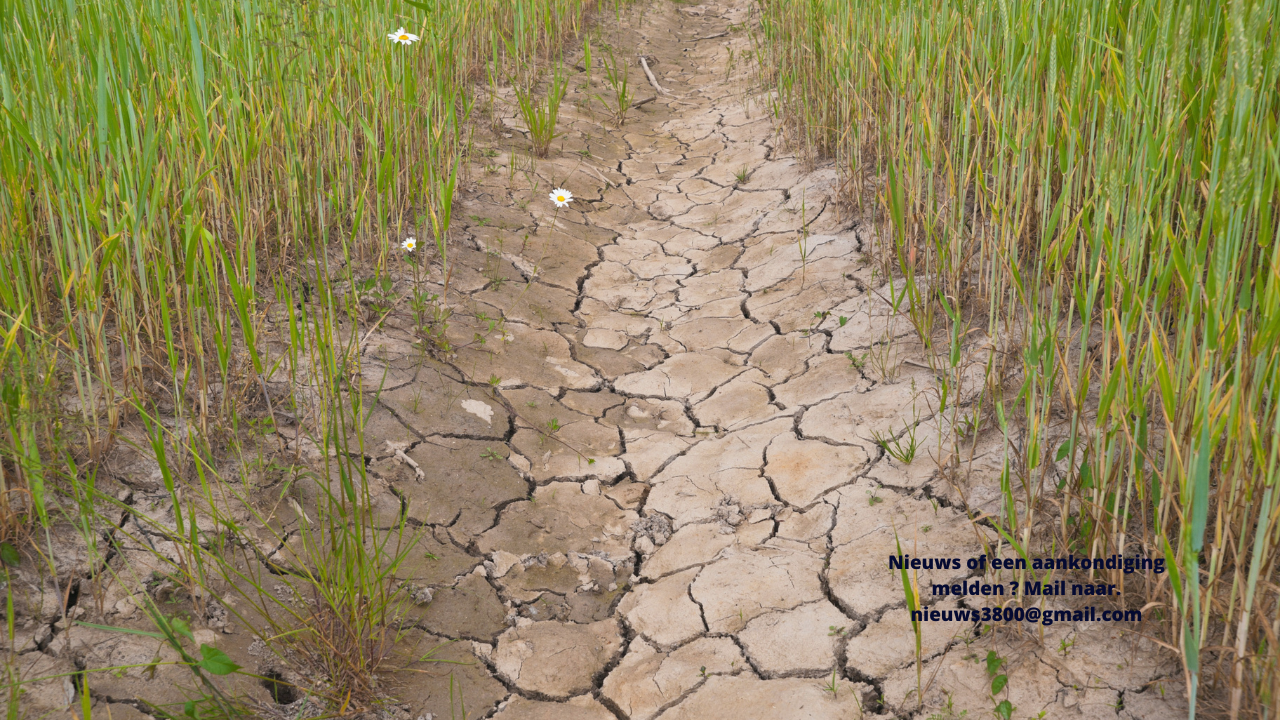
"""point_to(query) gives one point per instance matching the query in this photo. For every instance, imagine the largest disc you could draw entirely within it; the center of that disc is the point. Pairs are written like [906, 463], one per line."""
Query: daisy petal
[561, 197]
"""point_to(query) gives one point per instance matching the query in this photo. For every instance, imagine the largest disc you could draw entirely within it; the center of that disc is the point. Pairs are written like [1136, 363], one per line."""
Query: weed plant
[617, 74]
[188, 189]
[540, 117]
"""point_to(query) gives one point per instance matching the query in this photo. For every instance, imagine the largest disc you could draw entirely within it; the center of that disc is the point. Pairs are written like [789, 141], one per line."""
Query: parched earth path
[693, 516]
[647, 483]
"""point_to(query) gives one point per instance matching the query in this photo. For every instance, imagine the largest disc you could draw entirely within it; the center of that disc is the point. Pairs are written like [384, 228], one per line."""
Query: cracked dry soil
[705, 534]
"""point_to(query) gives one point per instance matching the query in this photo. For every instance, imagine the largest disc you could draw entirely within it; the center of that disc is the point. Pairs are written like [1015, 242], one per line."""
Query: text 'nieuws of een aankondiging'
[1050, 588]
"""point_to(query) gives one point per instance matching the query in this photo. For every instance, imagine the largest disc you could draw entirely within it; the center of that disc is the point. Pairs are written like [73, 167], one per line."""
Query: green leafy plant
[540, 116]
[913, 606]
[818, 317]
[903, 449]
[873, 496]
[617, 75]
[833, 685]
[1003, 708]
[213, 702]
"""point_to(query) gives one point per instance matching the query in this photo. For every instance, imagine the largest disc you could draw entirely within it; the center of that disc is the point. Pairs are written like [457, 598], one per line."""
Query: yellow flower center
[560, 198]
[404, 37]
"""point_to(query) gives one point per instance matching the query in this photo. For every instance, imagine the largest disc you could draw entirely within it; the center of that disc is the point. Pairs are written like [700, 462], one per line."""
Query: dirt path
[694, 515]
[650, 479]
[708, 523]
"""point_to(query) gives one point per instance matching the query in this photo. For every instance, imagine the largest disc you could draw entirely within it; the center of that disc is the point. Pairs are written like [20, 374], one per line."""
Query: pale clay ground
[737, 508]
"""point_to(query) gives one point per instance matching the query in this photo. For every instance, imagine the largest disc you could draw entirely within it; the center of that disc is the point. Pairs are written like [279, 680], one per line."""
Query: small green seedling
[999, 681]
[873, 497]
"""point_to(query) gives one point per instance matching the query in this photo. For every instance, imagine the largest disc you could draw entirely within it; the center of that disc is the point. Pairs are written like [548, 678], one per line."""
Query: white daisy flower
[402, 37]
[561, 197]
[409, 244]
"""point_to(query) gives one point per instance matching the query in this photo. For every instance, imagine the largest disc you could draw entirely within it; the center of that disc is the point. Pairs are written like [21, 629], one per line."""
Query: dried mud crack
[655, 489]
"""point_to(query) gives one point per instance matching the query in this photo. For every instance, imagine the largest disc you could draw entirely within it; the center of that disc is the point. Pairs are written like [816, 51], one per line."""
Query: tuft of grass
[540, 117]
[185, 189]
[617, 75]
[903, 448]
